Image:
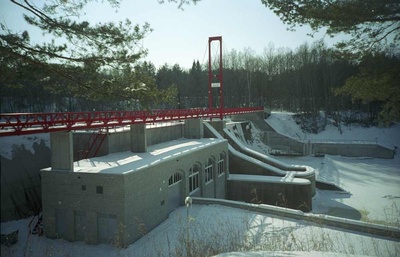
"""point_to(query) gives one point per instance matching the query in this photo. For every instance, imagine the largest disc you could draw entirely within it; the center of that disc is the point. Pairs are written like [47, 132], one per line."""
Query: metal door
[80, 225]
[174, 196]
[61, 225]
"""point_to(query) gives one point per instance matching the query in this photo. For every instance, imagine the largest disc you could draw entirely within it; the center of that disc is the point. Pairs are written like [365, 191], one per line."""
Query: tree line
[100, 66]
[308, 79]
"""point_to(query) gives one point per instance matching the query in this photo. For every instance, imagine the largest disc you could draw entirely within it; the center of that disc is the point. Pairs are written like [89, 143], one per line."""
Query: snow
[371, 193]
[269, 179]
[8, 144]
[370, 186]
[125, 162]
[284, 123]
[269, 234]
[255, 142]
[285, 253]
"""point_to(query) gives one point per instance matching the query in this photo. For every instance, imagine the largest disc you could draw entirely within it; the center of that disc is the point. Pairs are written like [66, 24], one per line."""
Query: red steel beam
[32, 123]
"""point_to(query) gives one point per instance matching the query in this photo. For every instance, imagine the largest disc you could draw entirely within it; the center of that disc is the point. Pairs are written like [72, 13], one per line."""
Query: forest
[308, 80]
[99, 66]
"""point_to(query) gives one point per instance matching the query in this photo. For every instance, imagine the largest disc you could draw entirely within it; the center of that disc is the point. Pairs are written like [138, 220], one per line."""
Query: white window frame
[221, 165]
[208, 171]
[194, 180]
[174, 179]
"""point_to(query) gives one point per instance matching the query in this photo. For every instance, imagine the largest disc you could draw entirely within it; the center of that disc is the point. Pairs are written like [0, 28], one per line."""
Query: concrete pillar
[138, 138]
[62, 157]
[193, 128]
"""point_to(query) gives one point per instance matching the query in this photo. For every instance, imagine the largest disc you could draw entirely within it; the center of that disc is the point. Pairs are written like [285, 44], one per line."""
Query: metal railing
[31, 123]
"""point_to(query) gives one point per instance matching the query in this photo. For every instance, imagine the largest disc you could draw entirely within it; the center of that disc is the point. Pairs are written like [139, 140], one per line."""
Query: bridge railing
[31, 123]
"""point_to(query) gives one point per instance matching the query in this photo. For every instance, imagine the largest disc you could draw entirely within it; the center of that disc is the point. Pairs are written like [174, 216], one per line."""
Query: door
[107, 228]
[80, 225]
[61, 224]
[174, 192]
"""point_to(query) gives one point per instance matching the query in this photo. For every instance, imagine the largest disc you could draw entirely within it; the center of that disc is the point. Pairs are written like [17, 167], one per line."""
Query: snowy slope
[285, 124]
[8, 144]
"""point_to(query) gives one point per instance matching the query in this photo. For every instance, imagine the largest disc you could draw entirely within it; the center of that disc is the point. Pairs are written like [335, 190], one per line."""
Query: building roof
[126, 162]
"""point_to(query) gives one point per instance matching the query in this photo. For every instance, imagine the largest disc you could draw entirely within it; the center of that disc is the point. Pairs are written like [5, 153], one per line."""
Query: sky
[181, 36]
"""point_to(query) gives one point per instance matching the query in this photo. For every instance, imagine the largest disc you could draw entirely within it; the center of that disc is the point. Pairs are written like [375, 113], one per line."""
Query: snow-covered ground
[211, 225]
[285, 124]
[372, 193]
[372, 185]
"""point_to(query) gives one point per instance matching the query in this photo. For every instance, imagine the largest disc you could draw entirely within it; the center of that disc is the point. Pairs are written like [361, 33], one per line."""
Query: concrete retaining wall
[289, 195]
[286, 145]
[283, 143]
[289, 145]
[248, 116]
[351, 150]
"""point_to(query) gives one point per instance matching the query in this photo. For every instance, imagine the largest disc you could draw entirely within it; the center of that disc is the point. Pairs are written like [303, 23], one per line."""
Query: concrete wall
[288, 145]
[283, 143]
[81, 144]
[239, 165]
[62, 156]
[351, 150]
[69, 192]
[147, 203]
[164, 134]
[289, 195]
[120, 141]
[193, 128]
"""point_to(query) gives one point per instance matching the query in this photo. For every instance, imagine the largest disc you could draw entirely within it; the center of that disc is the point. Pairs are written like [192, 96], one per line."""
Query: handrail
[31, 123]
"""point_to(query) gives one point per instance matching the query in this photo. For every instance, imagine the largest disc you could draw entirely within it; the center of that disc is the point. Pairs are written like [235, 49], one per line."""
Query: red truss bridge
[32, 123]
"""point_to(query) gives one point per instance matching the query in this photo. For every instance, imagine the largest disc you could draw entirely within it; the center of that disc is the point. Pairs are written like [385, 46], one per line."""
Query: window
[221, 164]
[83, 187]
[174, 179]
[208, 170]
[99, 189]
[194, 178]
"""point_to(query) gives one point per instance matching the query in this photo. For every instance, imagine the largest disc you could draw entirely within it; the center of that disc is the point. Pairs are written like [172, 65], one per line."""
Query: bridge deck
[31, 123]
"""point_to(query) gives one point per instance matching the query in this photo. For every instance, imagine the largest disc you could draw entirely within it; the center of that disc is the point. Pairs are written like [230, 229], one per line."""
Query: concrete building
[119, 197]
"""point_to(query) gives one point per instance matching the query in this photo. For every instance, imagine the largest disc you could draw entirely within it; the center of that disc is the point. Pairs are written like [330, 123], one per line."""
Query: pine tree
[374, 25]
[97, 60]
